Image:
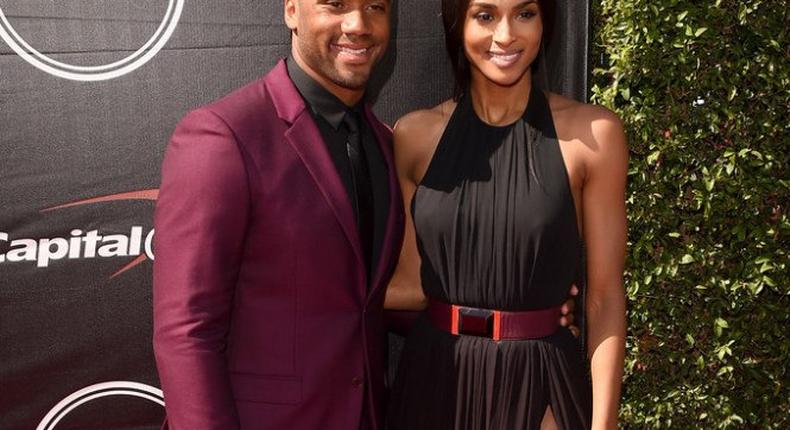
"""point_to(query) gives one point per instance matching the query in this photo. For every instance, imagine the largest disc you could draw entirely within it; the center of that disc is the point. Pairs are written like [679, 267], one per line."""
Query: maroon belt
[494, 324]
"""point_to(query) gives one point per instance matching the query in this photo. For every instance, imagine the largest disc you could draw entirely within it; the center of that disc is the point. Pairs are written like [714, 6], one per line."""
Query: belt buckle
[475, 322]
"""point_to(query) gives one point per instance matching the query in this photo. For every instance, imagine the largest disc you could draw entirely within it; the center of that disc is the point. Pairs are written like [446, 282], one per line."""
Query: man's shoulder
[250, 101]
[253, 105]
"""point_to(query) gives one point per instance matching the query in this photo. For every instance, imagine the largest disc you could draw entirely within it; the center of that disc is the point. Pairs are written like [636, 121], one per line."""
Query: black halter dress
[496, 229]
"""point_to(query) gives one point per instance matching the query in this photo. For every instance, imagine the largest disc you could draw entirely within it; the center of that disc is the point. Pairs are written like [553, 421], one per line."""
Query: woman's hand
[567, 316]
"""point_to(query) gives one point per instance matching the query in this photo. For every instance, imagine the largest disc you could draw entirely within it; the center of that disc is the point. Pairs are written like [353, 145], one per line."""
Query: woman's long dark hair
[454, 16]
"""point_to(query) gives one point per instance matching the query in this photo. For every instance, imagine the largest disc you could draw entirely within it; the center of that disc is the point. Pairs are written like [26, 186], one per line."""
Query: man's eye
[378, 7]
[335, 4]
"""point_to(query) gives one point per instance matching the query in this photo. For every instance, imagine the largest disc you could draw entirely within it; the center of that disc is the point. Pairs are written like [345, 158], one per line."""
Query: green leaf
[653, 157]
[626, 93]
[709, 183]
[724, 370]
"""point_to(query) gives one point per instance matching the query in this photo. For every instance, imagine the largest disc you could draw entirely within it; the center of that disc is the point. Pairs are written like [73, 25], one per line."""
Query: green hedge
[704, 89]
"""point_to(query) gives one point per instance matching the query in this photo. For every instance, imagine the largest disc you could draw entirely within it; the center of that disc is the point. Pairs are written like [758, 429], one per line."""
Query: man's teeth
[353, 51]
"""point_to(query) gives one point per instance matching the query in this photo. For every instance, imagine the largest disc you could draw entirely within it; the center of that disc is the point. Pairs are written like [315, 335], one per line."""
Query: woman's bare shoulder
[584, 113]
[597, 127]
[417, 133]
[421, 123]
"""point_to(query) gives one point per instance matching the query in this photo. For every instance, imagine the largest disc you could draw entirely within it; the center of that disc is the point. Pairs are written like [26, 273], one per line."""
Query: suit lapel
[384, 139]
[305, 138]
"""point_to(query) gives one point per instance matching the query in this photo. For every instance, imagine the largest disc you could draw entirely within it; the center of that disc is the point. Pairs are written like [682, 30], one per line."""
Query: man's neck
[349, 97]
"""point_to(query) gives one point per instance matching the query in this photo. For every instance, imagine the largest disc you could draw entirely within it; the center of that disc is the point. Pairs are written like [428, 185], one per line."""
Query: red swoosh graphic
[135, 262]
[151, 194]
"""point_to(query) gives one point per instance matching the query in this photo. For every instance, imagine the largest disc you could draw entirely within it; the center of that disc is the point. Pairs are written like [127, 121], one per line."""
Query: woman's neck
[496, 104]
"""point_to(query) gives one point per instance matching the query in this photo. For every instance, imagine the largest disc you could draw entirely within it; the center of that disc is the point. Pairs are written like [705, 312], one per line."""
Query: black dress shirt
[328, 111]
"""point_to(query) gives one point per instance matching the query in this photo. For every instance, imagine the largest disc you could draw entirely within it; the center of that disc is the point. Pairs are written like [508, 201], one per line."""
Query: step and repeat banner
[90, 91]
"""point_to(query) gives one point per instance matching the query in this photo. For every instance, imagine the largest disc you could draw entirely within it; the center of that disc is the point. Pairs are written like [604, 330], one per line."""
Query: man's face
[339, 41]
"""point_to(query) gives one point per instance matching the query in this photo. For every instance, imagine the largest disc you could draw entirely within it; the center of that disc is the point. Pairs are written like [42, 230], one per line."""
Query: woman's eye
[526, 14]
[484, 16]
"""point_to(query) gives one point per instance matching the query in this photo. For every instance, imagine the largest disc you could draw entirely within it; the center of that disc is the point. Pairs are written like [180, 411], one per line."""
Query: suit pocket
[278, 390]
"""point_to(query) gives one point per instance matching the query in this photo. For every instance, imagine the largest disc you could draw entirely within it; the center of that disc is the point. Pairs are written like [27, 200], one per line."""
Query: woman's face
[502, 39]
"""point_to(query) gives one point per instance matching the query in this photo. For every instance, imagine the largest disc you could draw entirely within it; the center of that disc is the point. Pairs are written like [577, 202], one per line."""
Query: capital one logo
[83, 243]
[94, 73]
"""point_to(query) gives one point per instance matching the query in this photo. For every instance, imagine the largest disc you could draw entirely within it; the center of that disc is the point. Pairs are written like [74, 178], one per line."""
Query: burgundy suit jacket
[263, 318]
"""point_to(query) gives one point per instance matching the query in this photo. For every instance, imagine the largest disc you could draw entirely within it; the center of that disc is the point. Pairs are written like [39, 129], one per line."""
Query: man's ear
[289, 14]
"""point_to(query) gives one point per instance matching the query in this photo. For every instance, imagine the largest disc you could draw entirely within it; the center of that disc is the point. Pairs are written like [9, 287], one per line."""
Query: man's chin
[353, 81]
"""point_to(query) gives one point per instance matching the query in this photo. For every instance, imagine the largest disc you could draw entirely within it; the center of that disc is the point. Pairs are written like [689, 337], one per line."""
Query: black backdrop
[80, 147]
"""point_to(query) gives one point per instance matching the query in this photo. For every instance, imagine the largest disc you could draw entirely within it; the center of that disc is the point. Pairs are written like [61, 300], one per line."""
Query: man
[279, 222]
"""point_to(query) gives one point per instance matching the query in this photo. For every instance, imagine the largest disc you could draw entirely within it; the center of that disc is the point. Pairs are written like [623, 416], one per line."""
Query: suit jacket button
[356, 381]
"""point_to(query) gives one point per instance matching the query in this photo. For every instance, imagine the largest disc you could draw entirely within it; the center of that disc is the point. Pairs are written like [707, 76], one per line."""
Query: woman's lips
[504, 59]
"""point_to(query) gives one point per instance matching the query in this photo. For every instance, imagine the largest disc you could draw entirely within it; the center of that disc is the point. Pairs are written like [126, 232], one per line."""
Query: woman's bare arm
[604, 220]
[415, 139]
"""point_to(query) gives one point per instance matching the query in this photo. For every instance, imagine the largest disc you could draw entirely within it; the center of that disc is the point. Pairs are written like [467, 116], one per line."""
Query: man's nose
[355, 22]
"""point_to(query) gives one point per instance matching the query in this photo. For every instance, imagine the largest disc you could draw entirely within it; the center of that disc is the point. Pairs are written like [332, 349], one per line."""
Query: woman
[504, 183]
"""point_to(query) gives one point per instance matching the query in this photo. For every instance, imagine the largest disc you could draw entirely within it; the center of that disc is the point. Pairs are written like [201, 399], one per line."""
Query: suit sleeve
[200, 221]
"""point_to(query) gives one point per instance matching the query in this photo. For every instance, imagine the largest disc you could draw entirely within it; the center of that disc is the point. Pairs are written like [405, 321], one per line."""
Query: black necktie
[363, 191]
